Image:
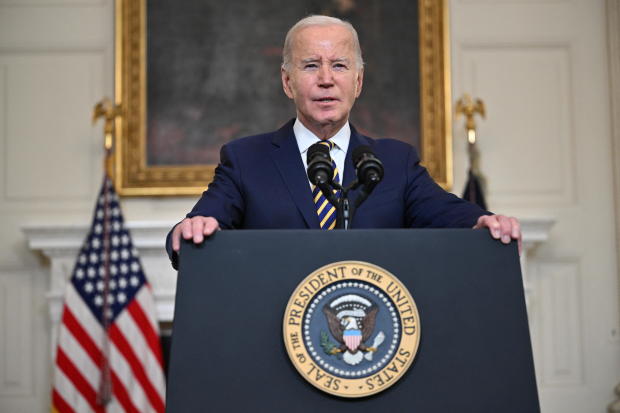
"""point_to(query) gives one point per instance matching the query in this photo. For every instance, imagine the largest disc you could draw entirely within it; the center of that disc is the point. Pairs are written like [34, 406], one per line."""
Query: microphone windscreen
[317, 148]
[360, 151]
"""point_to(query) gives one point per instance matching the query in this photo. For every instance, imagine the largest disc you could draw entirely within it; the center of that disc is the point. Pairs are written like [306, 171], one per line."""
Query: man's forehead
[314, 41]
[321, 35]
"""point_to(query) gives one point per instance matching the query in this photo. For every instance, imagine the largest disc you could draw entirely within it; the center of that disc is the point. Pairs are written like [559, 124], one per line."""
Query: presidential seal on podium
[351, 329]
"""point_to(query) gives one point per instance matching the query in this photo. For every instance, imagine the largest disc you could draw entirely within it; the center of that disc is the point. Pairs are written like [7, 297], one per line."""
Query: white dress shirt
[305, 139]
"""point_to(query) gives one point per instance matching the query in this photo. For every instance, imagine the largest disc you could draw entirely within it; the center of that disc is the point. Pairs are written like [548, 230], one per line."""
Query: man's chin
[324, 127]
[330, 120]
[332, 123]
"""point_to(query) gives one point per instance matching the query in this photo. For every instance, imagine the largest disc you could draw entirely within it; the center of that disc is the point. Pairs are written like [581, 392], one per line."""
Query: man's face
[323, 78]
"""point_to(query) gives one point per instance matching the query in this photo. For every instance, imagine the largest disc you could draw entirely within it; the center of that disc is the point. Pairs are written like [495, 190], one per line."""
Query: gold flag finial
[108, 111]
[467, 107]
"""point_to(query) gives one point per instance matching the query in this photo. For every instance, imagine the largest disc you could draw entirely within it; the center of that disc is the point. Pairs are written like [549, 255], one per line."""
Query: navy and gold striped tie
[326, 211]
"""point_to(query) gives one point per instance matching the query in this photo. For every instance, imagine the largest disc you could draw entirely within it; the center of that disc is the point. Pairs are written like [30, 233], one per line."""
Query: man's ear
[359, 82]
[286, 82]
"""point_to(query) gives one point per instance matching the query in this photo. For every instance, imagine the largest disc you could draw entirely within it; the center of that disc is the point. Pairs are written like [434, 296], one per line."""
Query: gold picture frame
[132, 174]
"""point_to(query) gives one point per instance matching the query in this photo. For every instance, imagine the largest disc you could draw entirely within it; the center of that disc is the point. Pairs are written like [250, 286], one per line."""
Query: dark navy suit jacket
[261, 183]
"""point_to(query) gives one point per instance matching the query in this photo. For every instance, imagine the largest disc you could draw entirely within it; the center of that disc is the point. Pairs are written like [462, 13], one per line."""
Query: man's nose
[326, 76]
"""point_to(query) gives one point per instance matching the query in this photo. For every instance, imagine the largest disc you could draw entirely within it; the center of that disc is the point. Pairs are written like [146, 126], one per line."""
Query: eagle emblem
[351, 329]
[351, 320]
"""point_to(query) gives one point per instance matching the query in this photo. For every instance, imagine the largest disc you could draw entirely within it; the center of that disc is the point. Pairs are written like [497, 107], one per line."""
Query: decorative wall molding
[613, 38]
[33, 81]
[613, 30]
[557, 285]
[16, 340]
[3, 126]
[52, 3]
[535, 231]
[540, 110]
[57, 28]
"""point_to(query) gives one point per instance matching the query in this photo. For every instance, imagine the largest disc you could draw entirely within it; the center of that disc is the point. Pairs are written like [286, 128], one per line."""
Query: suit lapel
[286, 156]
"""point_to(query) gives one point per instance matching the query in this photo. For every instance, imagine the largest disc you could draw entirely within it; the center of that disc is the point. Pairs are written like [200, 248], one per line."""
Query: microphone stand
[344, 210]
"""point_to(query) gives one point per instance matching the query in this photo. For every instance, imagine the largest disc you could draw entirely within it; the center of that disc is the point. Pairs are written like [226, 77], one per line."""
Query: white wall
[541, 67]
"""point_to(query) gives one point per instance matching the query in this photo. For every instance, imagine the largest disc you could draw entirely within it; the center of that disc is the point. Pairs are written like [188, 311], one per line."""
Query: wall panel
[48, 140]
[16, 340]
[532, 116]
[559, 313]
[59, 25]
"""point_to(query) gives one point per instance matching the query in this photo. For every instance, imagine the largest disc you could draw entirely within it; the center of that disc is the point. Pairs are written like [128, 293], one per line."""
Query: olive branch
[326, 344]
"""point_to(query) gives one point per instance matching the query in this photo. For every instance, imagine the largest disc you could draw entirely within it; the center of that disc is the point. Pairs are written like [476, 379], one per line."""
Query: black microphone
[368, 168]
[320, 168]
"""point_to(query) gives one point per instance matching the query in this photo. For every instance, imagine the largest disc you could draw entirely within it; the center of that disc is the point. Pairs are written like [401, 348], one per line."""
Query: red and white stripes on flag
[108, 337]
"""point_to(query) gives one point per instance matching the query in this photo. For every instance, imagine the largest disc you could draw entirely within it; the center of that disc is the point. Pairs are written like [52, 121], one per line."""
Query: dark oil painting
[213, 72]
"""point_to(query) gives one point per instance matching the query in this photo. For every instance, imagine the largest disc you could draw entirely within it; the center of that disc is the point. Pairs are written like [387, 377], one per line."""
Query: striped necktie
[325, 210]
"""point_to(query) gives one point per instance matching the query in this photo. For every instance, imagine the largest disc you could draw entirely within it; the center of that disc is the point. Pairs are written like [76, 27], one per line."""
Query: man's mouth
[325, 99]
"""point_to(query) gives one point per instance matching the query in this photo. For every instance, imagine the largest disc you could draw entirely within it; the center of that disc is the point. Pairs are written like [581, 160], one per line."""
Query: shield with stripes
[352, 339]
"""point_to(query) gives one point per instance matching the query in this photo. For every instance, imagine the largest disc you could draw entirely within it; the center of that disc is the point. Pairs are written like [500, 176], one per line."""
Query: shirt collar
[305, 138]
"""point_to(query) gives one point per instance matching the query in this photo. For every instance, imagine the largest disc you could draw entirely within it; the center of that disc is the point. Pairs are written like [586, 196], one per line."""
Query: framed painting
[193, 75]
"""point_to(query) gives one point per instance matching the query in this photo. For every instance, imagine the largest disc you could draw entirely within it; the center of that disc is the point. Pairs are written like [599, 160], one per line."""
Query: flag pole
[106, 110]
[475, 180]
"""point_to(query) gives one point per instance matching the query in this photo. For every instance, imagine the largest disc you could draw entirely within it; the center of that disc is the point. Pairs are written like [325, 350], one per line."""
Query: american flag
[108, 357]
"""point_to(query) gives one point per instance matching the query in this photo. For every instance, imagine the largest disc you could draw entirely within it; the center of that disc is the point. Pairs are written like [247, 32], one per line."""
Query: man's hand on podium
[501, 227]
[195, 229]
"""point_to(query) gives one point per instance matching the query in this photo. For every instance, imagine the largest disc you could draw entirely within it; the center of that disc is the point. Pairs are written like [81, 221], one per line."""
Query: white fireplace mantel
[61, 243]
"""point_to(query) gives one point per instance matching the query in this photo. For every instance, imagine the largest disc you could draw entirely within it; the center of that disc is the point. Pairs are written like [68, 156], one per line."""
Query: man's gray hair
[318, 20]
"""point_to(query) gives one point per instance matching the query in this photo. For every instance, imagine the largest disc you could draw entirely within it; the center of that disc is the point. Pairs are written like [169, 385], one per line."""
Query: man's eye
[310, 66]
[340, 66]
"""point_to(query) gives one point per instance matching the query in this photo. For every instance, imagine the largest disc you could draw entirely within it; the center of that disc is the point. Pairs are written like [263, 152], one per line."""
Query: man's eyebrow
[310, 60]
[317, 59]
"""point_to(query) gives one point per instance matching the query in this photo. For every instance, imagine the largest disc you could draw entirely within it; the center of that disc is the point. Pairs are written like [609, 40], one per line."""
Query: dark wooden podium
[228, 354]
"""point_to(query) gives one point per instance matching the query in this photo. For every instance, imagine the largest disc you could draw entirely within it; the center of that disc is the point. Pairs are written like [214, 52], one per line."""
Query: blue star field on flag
[125, 272]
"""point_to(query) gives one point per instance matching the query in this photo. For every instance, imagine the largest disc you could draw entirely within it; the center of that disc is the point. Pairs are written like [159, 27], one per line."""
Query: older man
[261, 180]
